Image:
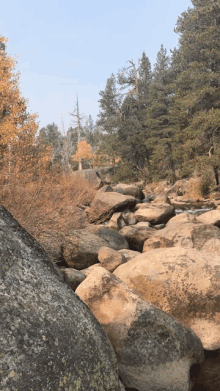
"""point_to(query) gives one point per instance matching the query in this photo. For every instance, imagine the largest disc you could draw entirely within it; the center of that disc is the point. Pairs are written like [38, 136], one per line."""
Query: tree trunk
[80, 164]
[216, 175]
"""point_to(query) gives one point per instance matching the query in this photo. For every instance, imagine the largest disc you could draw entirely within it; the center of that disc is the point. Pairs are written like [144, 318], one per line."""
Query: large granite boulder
[114, 239]
[189, 235]
[184, 217]
[155, 214]
[80, 248]
[154, 351]
[49, 340]
[89, 269]
[91, 175]
[105, 204]
[183, 282]
[130, 190]
[211, 217]
[136, 236]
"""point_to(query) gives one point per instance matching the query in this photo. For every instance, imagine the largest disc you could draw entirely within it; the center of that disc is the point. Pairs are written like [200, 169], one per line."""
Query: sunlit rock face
[183, 282]
[154, 351]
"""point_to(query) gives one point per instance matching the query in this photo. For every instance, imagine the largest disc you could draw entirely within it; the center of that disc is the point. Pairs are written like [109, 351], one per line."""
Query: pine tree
[158, 118]
[108, 119]
[50, 136]
[92, 133]
[196, 111]
[132, 131]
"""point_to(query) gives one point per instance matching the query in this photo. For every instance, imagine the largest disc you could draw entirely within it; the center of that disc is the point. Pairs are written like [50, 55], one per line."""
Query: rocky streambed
[137, 288]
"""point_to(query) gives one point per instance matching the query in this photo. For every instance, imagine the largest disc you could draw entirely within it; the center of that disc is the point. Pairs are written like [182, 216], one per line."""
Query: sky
[69, 47]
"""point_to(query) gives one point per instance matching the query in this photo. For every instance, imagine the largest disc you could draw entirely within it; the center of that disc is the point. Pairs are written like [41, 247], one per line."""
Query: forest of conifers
[160, 122]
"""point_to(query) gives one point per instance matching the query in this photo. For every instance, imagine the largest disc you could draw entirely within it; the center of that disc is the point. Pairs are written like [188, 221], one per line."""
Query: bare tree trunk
[80, 164]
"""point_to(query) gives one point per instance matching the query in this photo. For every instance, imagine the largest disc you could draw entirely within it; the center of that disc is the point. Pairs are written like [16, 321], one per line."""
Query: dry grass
[49, 208]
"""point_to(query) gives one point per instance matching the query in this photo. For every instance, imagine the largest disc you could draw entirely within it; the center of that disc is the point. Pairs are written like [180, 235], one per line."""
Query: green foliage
[132, 131]
[164, 121]
[125, 172]
[206, 182]
[158, 120]
[196, 111]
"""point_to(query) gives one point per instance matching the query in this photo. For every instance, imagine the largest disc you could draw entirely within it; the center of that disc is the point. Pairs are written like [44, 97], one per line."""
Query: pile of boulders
[150, 278]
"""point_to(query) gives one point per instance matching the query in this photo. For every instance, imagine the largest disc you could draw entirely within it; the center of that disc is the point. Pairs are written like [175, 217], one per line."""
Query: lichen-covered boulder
[154, 351]
[188, 235]
[49, 340]
[114, 239]
[183, 282]
[80, 248]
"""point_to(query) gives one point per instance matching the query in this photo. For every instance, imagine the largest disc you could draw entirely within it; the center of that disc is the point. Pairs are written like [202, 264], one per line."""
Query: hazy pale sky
[66, 47]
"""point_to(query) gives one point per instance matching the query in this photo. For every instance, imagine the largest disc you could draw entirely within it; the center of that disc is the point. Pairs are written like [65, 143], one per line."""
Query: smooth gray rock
[49, 340]
[131, 190]
[114, 239]
[80, 248]
[91, 175]
[105, 189]
[72, 277]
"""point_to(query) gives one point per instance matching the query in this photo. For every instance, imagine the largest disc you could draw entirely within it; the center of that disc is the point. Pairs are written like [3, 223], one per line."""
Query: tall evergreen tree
[132, 131]
[160, 135]
[196, 111]
[108, 118]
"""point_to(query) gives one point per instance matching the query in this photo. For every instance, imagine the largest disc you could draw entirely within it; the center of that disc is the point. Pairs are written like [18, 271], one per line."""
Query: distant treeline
[160, 123]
